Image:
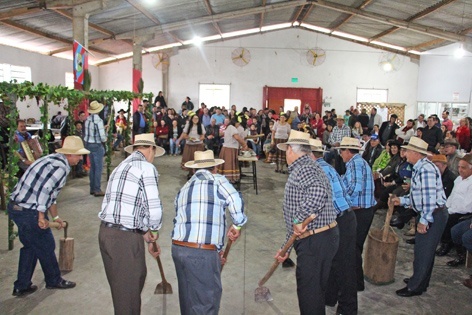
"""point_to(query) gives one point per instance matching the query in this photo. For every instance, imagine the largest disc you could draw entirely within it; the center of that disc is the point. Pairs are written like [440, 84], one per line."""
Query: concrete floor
[249, 260]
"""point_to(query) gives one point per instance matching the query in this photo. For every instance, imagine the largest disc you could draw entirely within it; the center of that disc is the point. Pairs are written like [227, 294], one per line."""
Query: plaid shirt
[426, 191]
[132, 196]
[339, 133]
[359, 182]
[94, 131]
[340, 198]
[39, 187]
[200, 209]
[307, 191]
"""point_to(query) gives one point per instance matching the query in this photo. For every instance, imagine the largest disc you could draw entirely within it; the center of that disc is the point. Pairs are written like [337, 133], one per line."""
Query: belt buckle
[17, 208]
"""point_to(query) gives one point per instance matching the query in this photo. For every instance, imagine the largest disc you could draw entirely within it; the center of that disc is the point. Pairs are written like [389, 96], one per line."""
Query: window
[214, 95]
[70, 80]
[12, 72]
[290, 104]
[372, 95]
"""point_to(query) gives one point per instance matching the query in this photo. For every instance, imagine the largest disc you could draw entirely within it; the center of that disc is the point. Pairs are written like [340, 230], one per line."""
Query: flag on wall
[80, 62]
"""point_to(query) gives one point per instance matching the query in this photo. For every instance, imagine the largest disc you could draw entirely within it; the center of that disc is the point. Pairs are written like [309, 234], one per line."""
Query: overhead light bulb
[387, 66]
[459, 52]
[197, 40]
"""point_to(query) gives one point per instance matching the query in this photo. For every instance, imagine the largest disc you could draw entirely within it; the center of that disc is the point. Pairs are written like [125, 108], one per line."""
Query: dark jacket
[391, 135]
[161, 100]
[448, 179]
[370, 157]
[432, 137]
[136, 122]
[364, 120]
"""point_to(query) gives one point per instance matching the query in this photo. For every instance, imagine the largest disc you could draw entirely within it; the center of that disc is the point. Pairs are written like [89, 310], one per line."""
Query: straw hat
[296, 137]
[467, 158]
[350, 143]
[439, 158]
[316, 145]
[417, 145]
[204, 159]
[95, 107]
[145, 139]
[73, 145]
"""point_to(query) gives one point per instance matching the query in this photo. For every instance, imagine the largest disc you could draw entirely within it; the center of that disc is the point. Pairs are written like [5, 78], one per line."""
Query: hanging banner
[80, 62]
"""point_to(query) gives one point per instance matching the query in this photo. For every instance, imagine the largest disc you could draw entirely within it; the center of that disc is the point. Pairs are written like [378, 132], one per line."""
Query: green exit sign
[294, 80]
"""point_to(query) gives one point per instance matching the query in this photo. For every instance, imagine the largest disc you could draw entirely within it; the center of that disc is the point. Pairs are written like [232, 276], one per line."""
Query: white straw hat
[418, 145]
[316, 145]
[295, 137]
[145, 139]
[350, 143]
[95, 107]
[204, 159]
[73, 145]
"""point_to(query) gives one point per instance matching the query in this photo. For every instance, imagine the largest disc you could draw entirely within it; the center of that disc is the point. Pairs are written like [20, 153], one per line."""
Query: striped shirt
[359, 182]
[94, 131]
[340, 198]
[307, 192]
[426, 191]
[200, 209]
[132, 196]
[339, 133]
[42, 182]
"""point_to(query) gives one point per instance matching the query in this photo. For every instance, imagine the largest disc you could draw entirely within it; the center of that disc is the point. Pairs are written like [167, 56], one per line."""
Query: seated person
[174, 133]
[373, 149]
[162, 133]
[254, 143]
[462, 236]
[79, 168]
[212, 136]
[382, 161]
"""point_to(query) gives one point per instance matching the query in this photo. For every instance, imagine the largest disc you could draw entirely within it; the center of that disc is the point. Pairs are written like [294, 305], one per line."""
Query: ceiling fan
[390, 62]
[241, 56]
[315, 56]
[160, 60]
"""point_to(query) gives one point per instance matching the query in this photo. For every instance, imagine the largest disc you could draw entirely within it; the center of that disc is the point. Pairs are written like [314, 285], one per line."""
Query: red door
[273, 97]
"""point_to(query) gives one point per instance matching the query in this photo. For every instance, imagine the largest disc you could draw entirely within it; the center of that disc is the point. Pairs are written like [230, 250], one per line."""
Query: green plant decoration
[110, 138]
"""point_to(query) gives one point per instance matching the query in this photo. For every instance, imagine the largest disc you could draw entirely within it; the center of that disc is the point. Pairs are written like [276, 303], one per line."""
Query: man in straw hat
[427, 198]
[198, 235]
[359, 183]
[342, 284]
[94, 136]
[308, 192]
[35, 194]
[131, 211]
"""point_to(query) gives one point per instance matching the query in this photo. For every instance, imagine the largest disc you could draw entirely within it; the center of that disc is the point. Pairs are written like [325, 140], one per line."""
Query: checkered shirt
[359, 182]
[94, 131]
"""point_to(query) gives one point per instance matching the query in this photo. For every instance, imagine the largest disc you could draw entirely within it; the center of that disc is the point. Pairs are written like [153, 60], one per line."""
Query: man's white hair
[300, 149]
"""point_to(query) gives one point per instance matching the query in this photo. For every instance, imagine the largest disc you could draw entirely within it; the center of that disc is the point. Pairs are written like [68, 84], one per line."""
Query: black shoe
[32, 288]
[406, 280]
[405, 292]
[444, 249]
[396, 222]
[63, 284]
[411, 241]
[459, 261]
[288, 263]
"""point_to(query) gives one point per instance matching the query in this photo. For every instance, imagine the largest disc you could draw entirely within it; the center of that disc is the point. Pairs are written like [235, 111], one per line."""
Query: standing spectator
[219, 117]
[121, 125]
[353, 118]
[463, 134]
[308, 192]
[198, 234]
[432, 135]
[188, 104]
[306, 116]
[339, 132]
[131, 211]
[33, 196]
[193, 134]
[94, 138]
[212, 137]
[420, 122]
[140, 120]
[363, 118]
[427, 198]
[347, 116]
[294, 118]
[374, 119]
[405, 133]
[280, 134]
[79, 168]
[205, 117]
[446, 121]
[160, 101]
[387, 130]
[359, 185]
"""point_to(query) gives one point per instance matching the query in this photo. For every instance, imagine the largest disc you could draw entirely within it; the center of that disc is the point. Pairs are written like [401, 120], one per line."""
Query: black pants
[314, 257]
[342, 283]
[453, 219]
[364, 217]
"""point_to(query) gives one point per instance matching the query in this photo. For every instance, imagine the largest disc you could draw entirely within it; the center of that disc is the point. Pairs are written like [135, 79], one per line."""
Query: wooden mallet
[66, 248]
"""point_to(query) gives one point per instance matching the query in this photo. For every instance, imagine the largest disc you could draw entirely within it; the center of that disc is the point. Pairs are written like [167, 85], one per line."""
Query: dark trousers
[462, 234]
[342, 283]
[364, 217]
[453, 219]
[199, 278]
[38, 244]
[425, 251]
[314, 257]
[125, 267]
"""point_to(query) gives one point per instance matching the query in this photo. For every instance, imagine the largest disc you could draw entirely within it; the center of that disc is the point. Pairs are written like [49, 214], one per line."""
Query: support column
[165, 79]
[138, 66]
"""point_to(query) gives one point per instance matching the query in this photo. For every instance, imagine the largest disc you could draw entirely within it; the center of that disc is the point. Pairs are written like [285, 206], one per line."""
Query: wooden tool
[164, 287]
[66, 248]
[262, 294]
[226, 252]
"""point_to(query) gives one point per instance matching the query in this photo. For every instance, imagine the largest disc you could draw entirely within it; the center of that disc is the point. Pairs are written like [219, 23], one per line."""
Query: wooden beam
[5, 15]
[60, 50]
[297, 15]
[360, 7]
[210, 12]
[416, 16]
[91, 25]
[210, 19]
[308, 12]
[65, 4]
[143, 10]
[435, 42]
[261, 18]
[414, 27]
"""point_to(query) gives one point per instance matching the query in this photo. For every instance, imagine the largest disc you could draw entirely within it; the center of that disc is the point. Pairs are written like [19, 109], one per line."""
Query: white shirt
[460, 200]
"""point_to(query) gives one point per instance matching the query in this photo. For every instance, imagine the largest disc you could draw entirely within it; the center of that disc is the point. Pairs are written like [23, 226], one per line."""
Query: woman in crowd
[375, 130]
[294, 120]
[318, 125]
[382, 161]
[326, 134]
[162, 134]
[357, 130]
[393, 161]
[405, 133]
[463, 134]
[280, 134]
[194, 134]
[174, 133]
[233, 139]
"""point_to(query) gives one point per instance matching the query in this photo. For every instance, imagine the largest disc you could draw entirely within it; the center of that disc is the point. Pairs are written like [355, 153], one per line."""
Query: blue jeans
[96, 165]
[255, 147]
[174, 149]
[118, 140]
[38, 244]
[462, 234]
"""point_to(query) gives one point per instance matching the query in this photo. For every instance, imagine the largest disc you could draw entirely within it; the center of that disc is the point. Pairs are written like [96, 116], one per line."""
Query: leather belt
[319, 230]
[439, 209]
[194, 245]
[121, 227]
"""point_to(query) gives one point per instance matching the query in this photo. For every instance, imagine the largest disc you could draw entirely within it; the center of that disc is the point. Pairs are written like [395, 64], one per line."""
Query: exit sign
[294, 80]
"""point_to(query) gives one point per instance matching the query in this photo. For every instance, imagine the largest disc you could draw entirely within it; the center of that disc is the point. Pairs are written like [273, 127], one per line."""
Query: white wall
[45, 69]
[277, 57]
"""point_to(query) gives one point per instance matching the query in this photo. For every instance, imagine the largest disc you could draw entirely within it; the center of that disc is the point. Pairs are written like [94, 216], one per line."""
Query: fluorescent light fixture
[164, 47]
[316, 28]
[387, 45]
[239, 33]
[296, 23]
[415, 52]
[459, 52]
[275, 27]
[350, 36]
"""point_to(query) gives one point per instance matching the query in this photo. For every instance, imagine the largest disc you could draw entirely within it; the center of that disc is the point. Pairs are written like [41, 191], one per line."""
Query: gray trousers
[125, 267]
[199, 279]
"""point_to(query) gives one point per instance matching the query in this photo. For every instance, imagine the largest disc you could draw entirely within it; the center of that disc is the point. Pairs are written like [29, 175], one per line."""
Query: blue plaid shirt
[359, 182]
[200, 209]
[94, 131]
[307, 192]
[339, 133]
[340, 198]
[426, 191]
